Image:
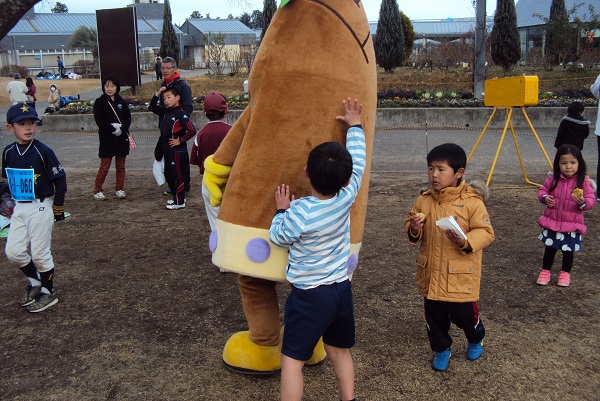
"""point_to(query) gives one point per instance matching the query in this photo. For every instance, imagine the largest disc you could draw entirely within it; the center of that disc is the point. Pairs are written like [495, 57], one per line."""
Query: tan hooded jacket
[446, 272]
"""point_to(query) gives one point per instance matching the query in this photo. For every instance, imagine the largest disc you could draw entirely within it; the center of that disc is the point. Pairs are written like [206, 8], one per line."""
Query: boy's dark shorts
[326, 311]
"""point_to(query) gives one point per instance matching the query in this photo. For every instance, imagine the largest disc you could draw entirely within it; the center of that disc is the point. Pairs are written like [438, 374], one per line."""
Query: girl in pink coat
[566, 194]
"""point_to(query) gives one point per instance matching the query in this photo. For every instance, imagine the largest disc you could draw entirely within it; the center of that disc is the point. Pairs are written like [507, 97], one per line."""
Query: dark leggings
[567, 259]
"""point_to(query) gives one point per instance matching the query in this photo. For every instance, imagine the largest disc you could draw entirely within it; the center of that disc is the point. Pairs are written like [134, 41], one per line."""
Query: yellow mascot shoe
[242, 355]
[318, 355]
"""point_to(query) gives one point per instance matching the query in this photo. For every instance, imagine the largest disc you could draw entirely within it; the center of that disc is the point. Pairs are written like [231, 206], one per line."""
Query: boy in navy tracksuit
[175, 132]
[35, 177]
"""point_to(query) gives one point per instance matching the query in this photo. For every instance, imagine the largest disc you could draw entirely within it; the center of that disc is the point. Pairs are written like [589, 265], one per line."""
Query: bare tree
[233, 60]
[248, 50]
[215, 50]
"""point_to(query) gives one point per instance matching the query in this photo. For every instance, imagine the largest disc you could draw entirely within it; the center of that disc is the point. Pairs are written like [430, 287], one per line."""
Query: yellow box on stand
[511, 92]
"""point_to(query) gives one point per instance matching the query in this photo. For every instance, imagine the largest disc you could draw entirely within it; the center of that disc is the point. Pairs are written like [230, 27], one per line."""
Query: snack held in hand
[422, 215]
[578, 192]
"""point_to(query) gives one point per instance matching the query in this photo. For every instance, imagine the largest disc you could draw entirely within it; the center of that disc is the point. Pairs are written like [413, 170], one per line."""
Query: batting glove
[59, 212]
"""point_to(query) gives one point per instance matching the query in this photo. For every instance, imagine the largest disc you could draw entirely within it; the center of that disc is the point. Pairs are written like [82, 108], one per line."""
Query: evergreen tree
[560, 37]
[267, 15]
[389, 39]
[246, 19]
[59, 8]
[169, 46]
[558, 17]
[86, 38]
[505, 43]
[409, 35]
[257, 19]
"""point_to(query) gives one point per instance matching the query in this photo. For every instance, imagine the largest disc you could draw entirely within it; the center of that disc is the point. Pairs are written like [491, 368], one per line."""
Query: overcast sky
[181, 9]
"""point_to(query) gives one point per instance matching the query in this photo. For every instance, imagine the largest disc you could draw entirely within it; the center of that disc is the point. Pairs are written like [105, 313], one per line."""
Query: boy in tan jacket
[449, 265]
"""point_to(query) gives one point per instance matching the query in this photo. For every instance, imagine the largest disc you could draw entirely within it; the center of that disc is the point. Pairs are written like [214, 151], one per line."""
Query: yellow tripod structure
[509, 112]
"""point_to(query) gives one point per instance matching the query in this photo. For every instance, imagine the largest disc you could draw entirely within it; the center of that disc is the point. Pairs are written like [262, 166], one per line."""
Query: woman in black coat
[113, 119]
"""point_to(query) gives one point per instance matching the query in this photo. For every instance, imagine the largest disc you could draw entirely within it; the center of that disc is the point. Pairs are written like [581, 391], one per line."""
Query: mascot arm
[214, 179]
[218, 166]
[229, 148]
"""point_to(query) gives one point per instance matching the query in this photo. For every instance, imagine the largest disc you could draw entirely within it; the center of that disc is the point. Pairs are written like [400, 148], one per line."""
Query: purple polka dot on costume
[352, 263]
[213, 241]
[258, 250]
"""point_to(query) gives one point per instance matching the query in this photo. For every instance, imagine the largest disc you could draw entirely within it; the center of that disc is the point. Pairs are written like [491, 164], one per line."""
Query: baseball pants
[31, 226]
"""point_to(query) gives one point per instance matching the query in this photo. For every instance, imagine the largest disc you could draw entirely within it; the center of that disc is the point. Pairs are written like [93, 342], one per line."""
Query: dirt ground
[143, 314]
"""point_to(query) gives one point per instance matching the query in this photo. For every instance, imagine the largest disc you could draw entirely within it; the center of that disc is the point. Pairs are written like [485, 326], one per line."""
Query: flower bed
[385, 99]
[438, 98]
[238, 102]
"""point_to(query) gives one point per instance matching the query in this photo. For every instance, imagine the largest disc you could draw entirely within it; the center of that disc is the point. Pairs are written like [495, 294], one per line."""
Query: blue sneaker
[441, 360]
[474, 350]
[167, 191]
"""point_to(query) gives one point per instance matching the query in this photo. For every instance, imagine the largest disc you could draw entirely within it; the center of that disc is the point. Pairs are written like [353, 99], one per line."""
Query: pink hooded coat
[566, 215]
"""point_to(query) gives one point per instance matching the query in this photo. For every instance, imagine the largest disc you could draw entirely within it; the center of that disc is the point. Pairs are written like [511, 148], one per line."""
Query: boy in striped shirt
[316, 229]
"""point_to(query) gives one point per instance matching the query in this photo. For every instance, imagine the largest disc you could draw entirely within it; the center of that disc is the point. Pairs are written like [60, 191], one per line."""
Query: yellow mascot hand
[214, 179]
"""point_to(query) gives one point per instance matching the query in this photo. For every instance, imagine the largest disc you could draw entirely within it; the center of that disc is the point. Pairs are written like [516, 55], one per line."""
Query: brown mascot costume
[314, 54]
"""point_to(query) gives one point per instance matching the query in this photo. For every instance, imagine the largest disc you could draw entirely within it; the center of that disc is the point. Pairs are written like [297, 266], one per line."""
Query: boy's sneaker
[99, 196]
[172, 202]
[167, 191]
[31, 295]
[43, 302]
[564, 279]
[441, 360]
[120, 194]
[544, 277]
[474, 350]
[174, 206]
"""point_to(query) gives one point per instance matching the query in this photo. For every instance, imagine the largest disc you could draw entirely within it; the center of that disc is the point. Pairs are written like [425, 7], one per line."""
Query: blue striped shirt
[318, 231]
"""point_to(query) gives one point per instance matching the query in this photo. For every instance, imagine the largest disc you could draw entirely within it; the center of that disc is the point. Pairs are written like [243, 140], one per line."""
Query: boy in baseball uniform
[38, 185]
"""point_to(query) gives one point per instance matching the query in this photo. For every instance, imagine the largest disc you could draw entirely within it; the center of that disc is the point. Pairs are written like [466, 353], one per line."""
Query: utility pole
[480, 42]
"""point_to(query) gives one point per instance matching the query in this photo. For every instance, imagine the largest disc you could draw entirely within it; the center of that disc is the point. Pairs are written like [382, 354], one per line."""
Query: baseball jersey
[318, 231]
[39, 157]
[207, 142]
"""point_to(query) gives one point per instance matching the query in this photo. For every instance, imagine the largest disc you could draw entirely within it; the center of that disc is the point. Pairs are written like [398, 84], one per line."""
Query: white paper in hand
[449, 223]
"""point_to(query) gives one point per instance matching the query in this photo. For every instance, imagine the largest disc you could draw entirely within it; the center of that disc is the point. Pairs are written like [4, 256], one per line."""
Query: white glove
[117, 128]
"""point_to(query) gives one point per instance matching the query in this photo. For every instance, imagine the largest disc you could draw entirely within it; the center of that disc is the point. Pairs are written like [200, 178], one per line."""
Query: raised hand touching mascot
[314, 53]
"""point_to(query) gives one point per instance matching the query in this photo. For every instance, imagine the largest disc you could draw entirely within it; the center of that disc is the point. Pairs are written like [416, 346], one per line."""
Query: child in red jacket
[207, 142]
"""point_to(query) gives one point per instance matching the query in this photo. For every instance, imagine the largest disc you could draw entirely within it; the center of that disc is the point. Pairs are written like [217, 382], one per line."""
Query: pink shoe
[564, 279]
[544, 277]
